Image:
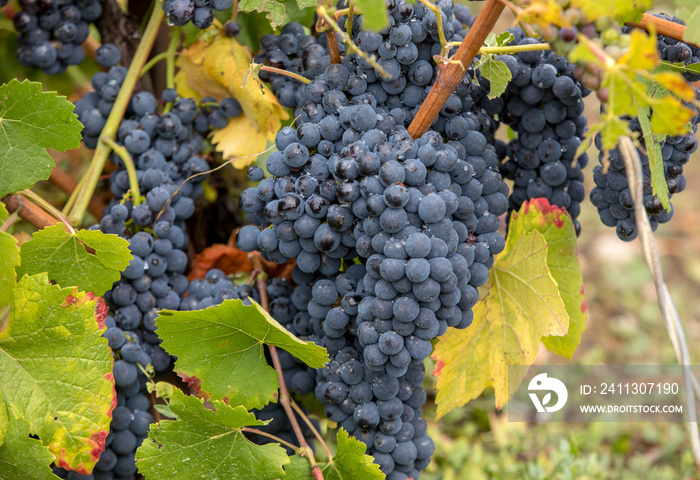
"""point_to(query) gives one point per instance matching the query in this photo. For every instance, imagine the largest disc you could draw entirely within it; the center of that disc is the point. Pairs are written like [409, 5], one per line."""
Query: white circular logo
[548, 384]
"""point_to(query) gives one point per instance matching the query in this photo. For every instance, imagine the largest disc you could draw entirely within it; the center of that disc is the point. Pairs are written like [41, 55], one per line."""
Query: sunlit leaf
[30, 122]
[207, 443]
[56, 371]
[226, 351]
[523, 304]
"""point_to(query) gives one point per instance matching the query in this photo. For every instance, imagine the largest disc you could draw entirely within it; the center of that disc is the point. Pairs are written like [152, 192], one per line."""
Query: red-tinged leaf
[232, 260]
[56, 371]
[523, 305]
[557, 228]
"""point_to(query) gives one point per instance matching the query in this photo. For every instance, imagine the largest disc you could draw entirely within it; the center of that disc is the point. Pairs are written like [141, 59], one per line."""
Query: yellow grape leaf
[594, 9]
[558, 230]
[642, 53]
[677, 84]
[523, 305]
[217, 70]
[544, 13]
[669, 116]
[240, 136]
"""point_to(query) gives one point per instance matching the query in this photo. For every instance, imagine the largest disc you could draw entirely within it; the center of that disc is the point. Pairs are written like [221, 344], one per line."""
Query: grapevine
[279, 212]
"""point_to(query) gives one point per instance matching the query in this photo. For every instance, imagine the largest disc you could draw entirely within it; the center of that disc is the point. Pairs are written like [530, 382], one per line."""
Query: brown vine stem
[662, 27]
[452, 73]
[48, 208]
[672, 321]
[304, 449]
[332, 41]
[29, 211]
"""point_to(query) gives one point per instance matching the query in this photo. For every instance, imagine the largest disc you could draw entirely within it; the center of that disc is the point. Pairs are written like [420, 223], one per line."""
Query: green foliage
[523, 305]
[224, 347]
[24, 457]
[56, 371]
[627, 81]
[625, 10]
[656, 165]
[209, 444]
[556, 227]
[349, 463]
[494, 70]
[275, 10]
[374, 14]
[689, 11]
[9, 259]
[32, 121]
[65, 258]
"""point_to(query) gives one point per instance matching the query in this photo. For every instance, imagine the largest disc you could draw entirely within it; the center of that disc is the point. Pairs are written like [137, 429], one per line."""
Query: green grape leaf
[690, 13]
[503, 38]
[223, 346]
[666, 66]
[275, 10]
[4, 419]
[626, 10]
[22, 456]
[656, 165]
[374, 14]
[350, 461]
[30, 122]
[557, 228]
[56, 370]
[9, 259]
[205, 443]
[523, 305]
[497, 73]
[68, 263]
[298, 468]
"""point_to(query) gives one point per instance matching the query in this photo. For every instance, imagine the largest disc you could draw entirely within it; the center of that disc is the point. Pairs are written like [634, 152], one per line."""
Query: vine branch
[662, 27]
[284, 397]
[452, 73]
[81, 196]
[672, 321]
[29, 211]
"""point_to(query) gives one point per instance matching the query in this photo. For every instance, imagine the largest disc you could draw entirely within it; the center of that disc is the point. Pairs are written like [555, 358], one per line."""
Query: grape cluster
[294, 51]
[200, 12]
[675, 51]
[165, 148]
[544, 105]
[349, 184]
[51, 32]
[612, 196]
[130, 418]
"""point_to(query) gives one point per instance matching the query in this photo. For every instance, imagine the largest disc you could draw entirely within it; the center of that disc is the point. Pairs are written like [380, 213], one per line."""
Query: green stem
[441, 30]
[271, 437]
[348, 26]
[170, 62]
[83, 195]
[510, 49]
[130, 168]
[279, 71]
[152, 62]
